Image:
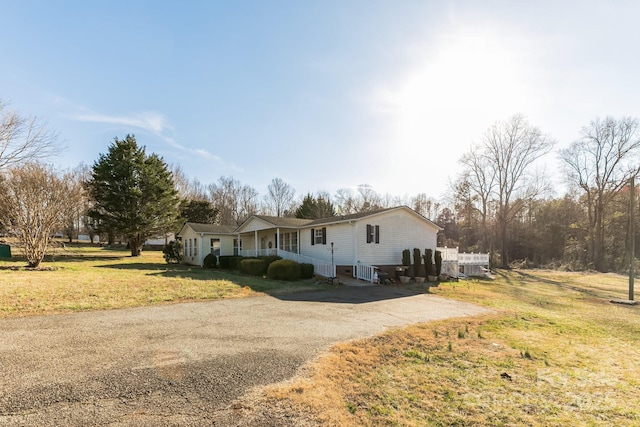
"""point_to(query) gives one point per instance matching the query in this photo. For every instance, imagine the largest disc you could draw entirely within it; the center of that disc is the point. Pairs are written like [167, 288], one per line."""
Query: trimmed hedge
[284, 269]
[230, 262]
[210, 261]
[268, 259]
[252, 266]
[306, 271]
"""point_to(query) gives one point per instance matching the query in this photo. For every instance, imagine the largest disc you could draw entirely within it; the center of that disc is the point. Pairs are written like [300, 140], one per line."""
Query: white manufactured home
[356, 245]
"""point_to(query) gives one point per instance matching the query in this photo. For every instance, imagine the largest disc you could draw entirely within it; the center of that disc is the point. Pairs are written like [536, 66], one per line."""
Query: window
[184, 249]
[195, 246]
[237, 246]
[373, 233]
[319, 236]
[215, 247]
[294, 242]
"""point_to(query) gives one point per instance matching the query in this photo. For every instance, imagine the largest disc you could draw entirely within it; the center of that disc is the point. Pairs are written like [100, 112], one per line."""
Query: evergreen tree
[133, 194]
[315, 207]
[200, 211]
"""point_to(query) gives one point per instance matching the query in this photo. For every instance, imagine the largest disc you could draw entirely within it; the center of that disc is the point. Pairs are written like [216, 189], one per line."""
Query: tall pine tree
[133, 194]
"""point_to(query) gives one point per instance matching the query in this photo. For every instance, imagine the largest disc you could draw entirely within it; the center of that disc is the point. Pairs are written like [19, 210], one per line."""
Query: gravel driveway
[182, 364]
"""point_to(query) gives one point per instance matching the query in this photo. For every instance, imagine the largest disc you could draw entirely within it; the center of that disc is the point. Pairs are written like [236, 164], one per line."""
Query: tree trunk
[598, 244]
[135, 244]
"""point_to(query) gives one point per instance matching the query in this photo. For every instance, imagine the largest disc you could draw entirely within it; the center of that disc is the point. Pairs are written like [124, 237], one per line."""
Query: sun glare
[463, 83]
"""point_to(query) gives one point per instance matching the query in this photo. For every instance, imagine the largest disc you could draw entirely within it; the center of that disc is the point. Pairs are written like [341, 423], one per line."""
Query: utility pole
[632, 232]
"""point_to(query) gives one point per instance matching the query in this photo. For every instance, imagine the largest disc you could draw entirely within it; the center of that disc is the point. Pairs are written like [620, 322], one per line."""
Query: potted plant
[406, 263]
[418, 271]
[438, 258]
[428, 265]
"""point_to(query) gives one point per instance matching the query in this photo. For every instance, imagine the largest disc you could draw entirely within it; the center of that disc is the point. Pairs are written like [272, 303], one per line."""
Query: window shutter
[275, 242]
[368, 233]
[377, 234]
[313, 236]
[324, 235]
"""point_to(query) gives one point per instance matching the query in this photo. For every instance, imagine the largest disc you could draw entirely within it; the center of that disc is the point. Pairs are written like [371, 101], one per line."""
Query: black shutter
[324, 235]
[377, 234]
[313, 236]
[368, 233]
[276, 242]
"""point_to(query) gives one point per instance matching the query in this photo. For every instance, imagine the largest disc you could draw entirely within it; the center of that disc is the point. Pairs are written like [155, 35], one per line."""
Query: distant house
[356, 244]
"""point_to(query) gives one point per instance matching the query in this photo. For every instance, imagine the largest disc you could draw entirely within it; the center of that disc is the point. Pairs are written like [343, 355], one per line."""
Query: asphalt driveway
[182, 364]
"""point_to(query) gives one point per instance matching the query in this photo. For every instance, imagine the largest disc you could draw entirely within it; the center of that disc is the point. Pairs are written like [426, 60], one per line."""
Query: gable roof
[209, 228]
[362, 215]
[275, 221]
[300, 223]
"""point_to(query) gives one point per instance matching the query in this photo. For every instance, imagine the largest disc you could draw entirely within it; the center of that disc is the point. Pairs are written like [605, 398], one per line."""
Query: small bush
[306, 271]
[230, 262]
[210, 261]
[268, 259]
[406, 257]
[172, 252]
[252, 267]
[284, 269]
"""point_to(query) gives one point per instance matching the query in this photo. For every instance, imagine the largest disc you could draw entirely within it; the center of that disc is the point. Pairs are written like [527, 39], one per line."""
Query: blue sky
[323, 94]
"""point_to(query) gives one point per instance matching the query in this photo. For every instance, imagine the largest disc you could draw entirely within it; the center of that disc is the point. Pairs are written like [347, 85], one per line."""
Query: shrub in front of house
[438, 258]
[306, 271]
[172, 252]
[230, 262]
[210, 261]
[268, 259]
[252, 267]
[284, 269]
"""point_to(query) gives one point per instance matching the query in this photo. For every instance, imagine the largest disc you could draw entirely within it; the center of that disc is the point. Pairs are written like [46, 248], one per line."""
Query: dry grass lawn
[556, 353]
[92, 278]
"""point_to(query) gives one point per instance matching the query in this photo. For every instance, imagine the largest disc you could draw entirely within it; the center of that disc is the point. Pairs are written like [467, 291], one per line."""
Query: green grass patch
[556, 352]
[91, 278]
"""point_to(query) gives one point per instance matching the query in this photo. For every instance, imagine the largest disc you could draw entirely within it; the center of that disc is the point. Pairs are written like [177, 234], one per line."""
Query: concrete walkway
[179, 364]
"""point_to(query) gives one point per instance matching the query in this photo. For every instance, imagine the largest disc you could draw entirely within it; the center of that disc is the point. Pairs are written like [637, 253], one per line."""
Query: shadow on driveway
[351, 294]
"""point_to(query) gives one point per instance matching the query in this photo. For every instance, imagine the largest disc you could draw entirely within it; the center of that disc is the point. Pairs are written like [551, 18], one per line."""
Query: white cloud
[149, 121]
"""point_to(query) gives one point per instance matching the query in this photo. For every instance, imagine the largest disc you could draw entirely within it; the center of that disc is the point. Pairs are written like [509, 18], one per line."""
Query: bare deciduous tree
[36, 200]
[365, 199]
[187, 189]
[509, 150]
[600, 163]
[280, 197]
[23, 139]
[78, 212]
[480, 179]
[235, 202]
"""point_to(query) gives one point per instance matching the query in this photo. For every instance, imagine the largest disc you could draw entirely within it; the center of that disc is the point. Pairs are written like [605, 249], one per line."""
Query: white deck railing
[448, 254]
[320, 267]
[463, 258]
[473, 259]
[364, 272]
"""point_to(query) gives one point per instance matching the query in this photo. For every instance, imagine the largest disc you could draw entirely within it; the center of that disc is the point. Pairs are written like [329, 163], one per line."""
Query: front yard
[557, 352]
[92, 278]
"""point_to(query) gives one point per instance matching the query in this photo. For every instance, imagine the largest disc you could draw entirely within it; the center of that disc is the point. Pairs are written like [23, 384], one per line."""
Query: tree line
[500, 202]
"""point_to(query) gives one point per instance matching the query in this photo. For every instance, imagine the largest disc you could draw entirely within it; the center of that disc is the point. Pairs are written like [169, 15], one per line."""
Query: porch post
[200, 254]
[256, 241]
[298, 240]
